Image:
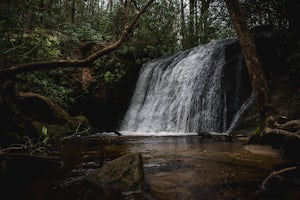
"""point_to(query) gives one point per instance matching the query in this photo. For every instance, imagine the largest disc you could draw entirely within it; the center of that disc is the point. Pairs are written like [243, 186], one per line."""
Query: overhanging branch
[86, 62]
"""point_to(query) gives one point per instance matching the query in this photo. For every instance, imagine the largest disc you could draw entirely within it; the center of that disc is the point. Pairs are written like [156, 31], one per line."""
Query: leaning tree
[129, 25]
[8, 75]
[270, 120]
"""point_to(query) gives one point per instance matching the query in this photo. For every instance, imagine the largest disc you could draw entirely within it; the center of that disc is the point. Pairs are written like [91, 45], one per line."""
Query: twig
[86, 130]
[28, 52]
[28, 147]
[39, 149]
[274, 173]
[76, 133]
[13, 48]
[28, 141]
[77, 129]
[12, 148]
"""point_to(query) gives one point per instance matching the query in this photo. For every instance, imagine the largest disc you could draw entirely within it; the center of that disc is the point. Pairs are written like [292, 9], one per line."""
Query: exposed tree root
[281, 125]
[54, 108]
[274, 173]
[292, 126]
[282, 134]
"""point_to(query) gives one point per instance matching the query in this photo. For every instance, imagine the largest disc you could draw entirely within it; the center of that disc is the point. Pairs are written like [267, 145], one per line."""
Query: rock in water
[125, 174]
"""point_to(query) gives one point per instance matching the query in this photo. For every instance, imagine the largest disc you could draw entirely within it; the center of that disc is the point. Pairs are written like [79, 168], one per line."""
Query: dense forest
[69, 68]
[80, 55]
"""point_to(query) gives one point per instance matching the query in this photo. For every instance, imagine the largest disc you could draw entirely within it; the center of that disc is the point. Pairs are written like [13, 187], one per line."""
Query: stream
[176, 167]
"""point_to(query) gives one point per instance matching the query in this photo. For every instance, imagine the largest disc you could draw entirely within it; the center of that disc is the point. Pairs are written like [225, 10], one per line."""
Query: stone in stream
[124, 174]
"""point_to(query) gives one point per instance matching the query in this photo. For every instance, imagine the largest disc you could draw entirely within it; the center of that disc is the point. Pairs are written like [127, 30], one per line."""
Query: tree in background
[257, 76]
[270, 122]
[82, 31]
[40, 30]
[199, 22]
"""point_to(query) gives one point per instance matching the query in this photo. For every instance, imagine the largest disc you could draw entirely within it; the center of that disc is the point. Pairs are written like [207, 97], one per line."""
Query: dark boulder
[124, 174]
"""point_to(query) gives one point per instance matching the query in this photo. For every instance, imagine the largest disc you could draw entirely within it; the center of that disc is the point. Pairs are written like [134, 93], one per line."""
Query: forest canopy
[45, 30]
[38, 30]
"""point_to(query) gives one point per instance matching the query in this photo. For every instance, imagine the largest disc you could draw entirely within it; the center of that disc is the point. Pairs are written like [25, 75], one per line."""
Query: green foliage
[84, 32]
[111, 70]
[257, 131]
[45, 135]
[37, 45]
[46, 45]
[109, 77]
[44, 30]
[266, 13]
[157, 33]
[54, 84]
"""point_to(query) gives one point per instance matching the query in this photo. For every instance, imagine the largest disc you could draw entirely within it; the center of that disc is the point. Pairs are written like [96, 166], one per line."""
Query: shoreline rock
[124, 175]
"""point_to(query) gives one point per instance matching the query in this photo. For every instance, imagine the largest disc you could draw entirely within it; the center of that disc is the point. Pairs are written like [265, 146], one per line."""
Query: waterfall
[189, 92]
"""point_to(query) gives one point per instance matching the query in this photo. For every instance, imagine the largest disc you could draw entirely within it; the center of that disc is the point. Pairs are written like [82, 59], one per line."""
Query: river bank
[181, 167]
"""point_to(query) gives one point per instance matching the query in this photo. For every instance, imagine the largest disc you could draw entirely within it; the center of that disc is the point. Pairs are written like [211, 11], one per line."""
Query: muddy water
[176, 168]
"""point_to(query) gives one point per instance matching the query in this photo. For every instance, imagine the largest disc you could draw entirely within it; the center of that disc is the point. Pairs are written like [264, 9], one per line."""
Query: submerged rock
[124, 174]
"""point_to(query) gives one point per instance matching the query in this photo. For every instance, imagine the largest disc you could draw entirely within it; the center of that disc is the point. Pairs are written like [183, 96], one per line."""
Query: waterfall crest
[186, 93]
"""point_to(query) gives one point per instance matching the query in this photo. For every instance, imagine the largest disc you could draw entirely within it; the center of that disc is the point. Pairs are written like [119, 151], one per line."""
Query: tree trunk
[182, 23]
[196, 37]
[203, 21]
[257, 76]
[110, 6]
[73, 12]
[293, 15]
[192, 24]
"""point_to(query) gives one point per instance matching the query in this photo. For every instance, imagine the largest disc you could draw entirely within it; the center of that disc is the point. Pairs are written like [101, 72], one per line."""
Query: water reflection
[182, 167]
[191, 167]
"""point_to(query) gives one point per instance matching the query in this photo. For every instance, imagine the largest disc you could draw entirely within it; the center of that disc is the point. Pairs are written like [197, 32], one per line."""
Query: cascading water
[187, 93]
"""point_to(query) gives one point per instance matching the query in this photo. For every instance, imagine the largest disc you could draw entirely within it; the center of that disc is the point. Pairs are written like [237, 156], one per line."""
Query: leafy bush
[54, 84]
[38, 45]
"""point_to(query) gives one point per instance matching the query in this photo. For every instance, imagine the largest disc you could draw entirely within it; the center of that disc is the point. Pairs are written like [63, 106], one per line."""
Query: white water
[130, 133]
[181, 94]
